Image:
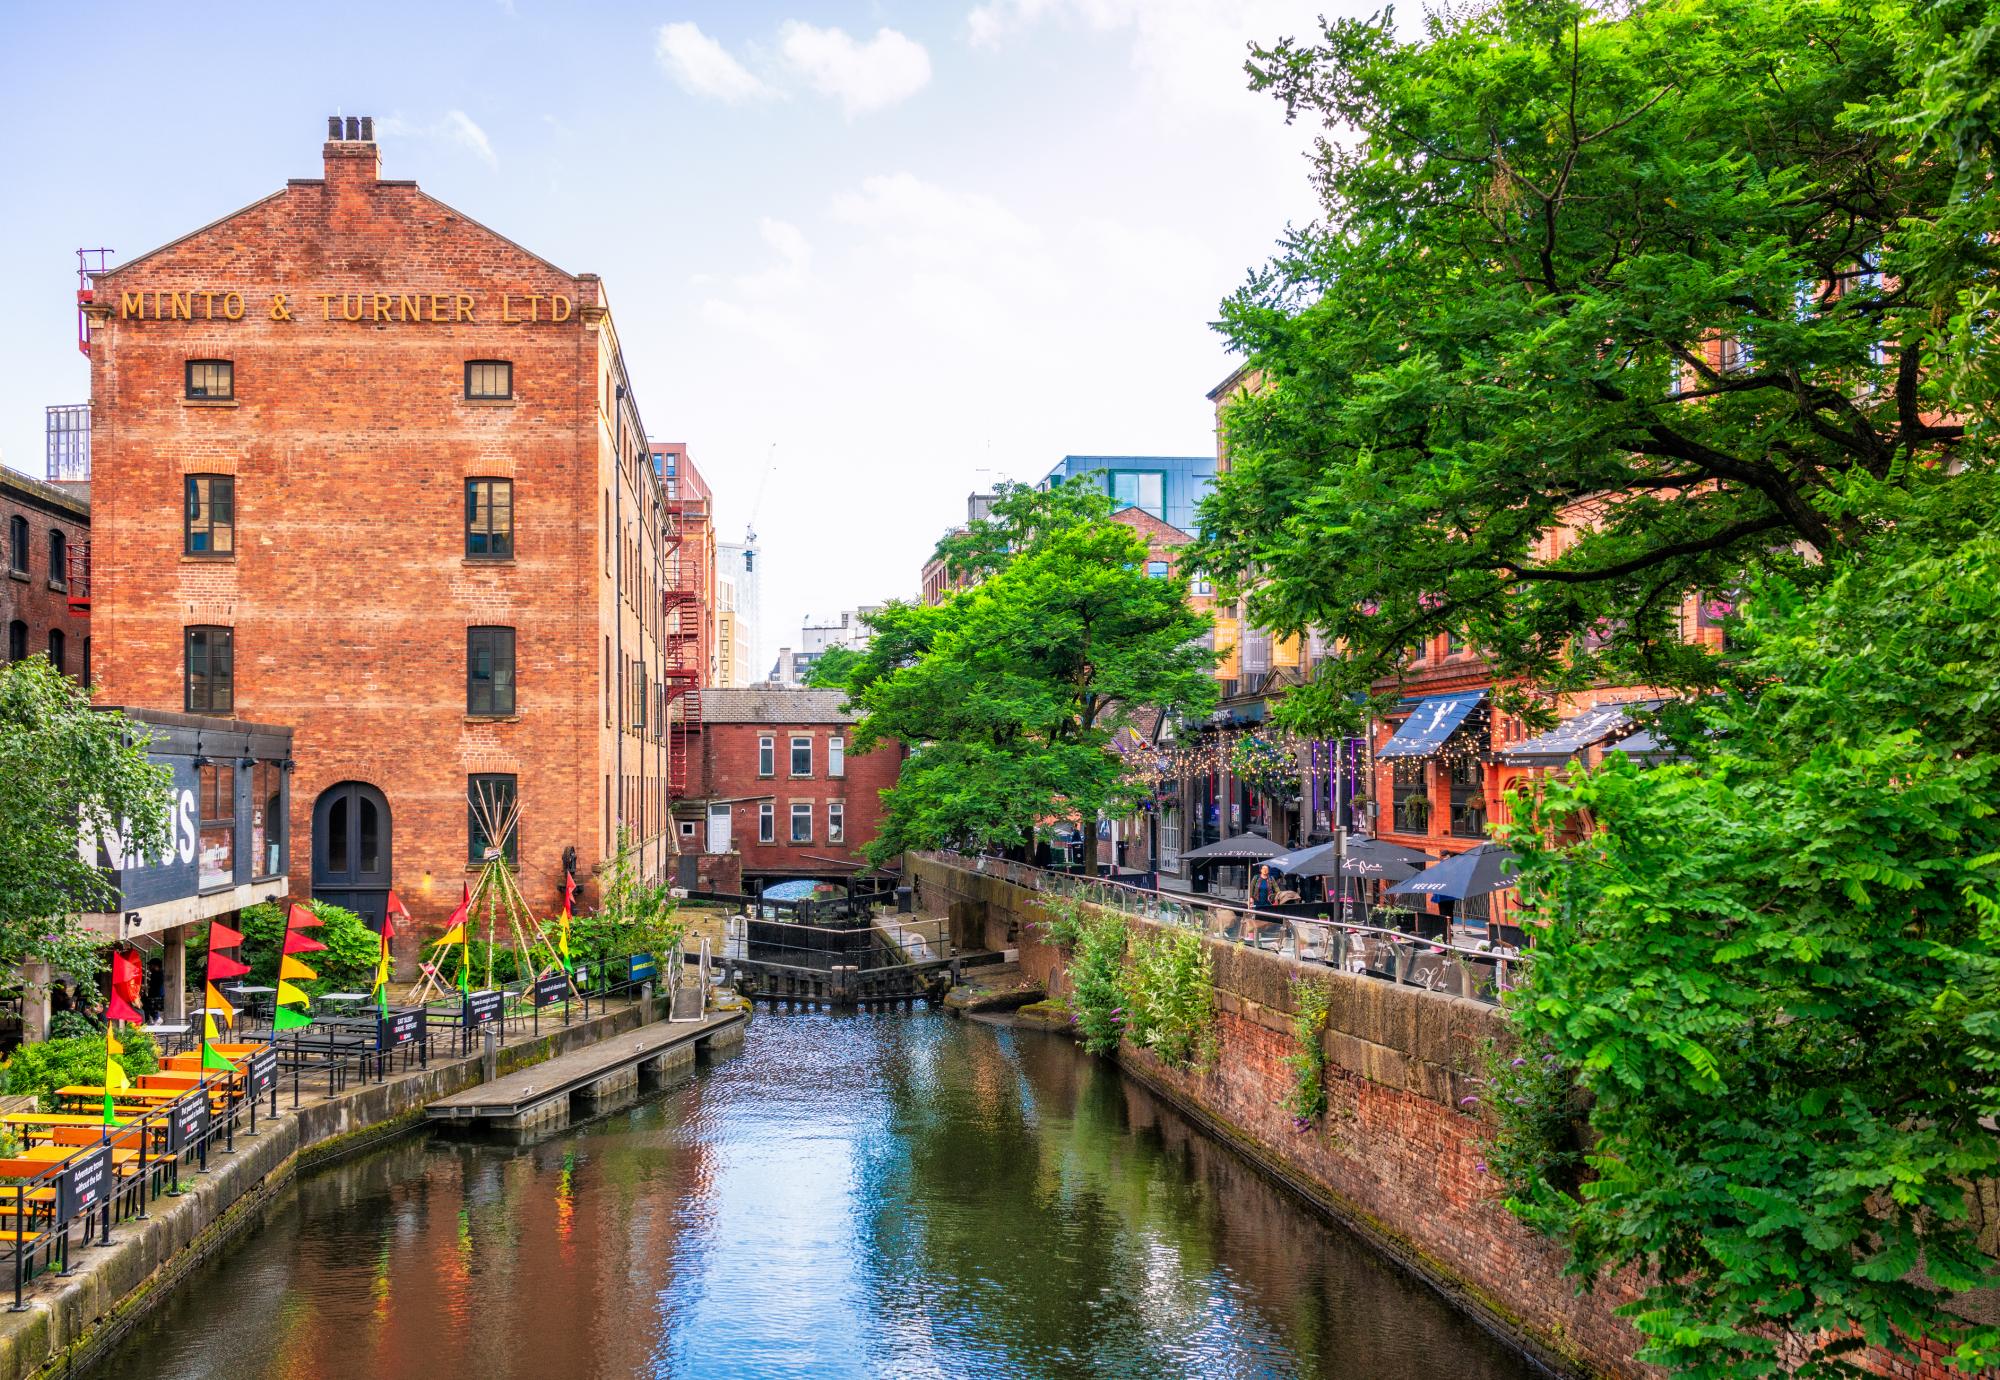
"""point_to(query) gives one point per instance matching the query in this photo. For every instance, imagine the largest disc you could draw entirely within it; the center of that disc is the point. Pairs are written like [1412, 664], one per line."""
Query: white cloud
[788, 242]
[456, 128]
[703, 67]
[925, 218]
[784, 334]
[888, 68]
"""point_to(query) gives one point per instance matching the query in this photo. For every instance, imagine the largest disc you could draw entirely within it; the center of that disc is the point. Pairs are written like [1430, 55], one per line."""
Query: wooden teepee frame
[497, 894]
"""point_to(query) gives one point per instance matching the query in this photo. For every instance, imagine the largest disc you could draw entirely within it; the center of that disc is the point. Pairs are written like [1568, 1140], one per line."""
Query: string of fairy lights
[1272, 760]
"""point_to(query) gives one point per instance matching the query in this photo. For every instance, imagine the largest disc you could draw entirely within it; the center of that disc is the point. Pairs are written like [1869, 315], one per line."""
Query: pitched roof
[775, 704]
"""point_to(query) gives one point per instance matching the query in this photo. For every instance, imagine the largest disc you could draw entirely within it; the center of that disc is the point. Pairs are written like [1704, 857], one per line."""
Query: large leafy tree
[832, 668]
[1776, 966]
[1664, 280]
[1011, 693]
[65, 768]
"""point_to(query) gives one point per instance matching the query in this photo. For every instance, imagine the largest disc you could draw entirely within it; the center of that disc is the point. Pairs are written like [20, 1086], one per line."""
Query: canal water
[849, 1195]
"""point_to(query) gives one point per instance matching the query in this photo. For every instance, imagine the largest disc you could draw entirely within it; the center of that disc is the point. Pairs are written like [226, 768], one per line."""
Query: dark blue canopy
[1434, 719]
[1573, 735]
[1475, 872]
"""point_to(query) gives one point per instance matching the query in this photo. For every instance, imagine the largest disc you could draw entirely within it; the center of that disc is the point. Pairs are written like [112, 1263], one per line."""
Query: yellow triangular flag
[454, 935]
[208, 1030]
[114, 1072]
[289, 995]
[216, 1003]
[289, 967]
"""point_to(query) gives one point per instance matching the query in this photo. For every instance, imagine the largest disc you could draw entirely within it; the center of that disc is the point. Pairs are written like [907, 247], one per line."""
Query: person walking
[1261, 890]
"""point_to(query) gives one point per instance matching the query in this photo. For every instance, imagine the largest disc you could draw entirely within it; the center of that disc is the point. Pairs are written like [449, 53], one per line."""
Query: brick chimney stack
[351, 153]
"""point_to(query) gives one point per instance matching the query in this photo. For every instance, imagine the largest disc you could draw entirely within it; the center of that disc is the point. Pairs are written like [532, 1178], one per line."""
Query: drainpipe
[617, 535]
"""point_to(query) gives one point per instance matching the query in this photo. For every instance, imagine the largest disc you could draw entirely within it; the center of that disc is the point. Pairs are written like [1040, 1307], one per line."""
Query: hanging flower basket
[1264, 766]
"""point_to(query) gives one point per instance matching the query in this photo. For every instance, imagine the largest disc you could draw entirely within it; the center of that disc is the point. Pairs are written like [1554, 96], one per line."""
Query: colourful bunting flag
[125, 980]
[290, 967]
[457, 927]
[301, 919]
[289, 995]
[211, 1057]
[299, 942]
[115, 1079]
[284, 1018]
[220, 936]
[389, 914]
[216, 1003]
[562, 930]
[221, 965]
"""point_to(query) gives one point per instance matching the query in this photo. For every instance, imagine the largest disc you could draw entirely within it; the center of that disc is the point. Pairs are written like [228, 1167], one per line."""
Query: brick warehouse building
[45, 595]
[365, 467]
[779, 796]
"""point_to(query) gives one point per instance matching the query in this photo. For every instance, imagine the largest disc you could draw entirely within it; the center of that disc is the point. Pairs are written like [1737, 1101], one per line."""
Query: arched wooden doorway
[351, 849]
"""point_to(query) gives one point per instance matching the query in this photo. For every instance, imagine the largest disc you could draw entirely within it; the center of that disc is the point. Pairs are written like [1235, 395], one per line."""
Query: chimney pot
[353, 127]
[333, 126]
[368, 128]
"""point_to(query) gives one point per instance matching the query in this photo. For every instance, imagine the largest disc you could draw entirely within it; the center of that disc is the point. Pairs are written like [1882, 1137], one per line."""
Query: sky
[865, 258]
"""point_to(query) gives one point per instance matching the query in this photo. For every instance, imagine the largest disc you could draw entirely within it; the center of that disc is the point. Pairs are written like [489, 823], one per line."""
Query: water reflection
[849, 1196]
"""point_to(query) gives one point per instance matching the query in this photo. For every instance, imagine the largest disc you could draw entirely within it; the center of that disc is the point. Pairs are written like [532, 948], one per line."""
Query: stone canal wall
[1398, 1157]
[69, 1321]
[1400, 1154]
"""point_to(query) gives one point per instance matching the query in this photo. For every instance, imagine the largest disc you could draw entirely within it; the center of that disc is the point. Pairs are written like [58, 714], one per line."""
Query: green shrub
[1311, 1005]
[40, 1069]
[71, 1025]
[1170, 997]
[1095, 942]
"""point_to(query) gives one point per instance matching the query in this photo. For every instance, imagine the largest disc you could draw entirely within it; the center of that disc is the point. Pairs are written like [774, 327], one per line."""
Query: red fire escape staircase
[681, 601]
[77, 577]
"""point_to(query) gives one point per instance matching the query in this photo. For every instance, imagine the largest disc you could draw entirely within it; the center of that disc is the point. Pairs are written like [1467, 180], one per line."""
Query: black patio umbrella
[1476, 872]
[1370, 859]
[1242, 848]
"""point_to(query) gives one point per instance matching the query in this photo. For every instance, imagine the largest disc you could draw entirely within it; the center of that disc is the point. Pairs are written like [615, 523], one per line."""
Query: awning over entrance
[1573, 735]
[1430, 723]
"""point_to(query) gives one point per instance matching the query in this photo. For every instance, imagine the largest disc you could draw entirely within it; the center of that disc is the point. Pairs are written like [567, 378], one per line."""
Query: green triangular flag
[212, 1058]
[110, 1118]
[288, 1019]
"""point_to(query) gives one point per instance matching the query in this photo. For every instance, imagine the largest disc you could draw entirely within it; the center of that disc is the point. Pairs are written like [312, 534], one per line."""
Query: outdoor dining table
[91, 1092]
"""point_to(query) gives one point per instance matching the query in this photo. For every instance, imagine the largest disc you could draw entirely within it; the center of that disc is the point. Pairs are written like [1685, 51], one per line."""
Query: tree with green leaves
[1010, 694]
[1775, 969]
[65, 768]
[832, 668]
[1671, 278]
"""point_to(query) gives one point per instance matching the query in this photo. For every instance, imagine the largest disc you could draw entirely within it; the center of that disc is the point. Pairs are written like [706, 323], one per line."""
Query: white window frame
[801, 810]
[836, 821]
[767, 822]
[792, 760]
[836, 756]
[767, 755]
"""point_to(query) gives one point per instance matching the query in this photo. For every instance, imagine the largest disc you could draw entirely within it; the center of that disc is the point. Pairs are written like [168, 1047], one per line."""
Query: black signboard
[190, 1121]
[399, 1028]
[551, 989]
[262, 1073]
[483, 1008]
[641, 968]
[82, 1186]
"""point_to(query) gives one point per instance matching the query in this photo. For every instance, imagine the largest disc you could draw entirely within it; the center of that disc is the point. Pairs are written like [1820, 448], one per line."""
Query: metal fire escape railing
[682, 607]
[76, 577]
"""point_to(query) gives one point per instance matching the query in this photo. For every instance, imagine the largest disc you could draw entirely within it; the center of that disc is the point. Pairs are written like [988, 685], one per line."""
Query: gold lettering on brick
[208, 305]
[131, 304]
[279, 310]
[437, 306]
[559, 308]
[534, 306]
[354, 315]
[409, 308]
[232, 306]
[325, 305]
[183, 305]
[464, 308]
[378, 307]
[507, 309]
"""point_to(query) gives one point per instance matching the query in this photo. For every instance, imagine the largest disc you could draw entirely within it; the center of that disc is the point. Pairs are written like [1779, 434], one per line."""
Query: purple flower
[1467, 1101]
[1481, 1166]
[1518, 1063]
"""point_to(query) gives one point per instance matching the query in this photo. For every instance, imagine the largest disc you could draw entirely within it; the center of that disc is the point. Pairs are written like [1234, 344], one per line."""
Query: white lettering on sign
[181, 837]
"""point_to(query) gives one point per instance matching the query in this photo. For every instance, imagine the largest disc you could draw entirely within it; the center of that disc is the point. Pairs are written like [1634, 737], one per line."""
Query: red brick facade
[350, 308]
[41, 527]
[737, 775]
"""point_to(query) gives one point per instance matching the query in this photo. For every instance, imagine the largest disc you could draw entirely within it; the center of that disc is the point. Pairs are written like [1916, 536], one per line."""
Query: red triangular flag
[464, 908]
[220, 936]
[569, 892]
[298, 942]
[394, 908]
[221, 965]
[301, 918]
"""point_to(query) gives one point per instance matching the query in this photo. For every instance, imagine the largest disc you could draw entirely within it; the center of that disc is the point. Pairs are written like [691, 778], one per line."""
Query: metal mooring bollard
[489, 1055]
[645, 1003]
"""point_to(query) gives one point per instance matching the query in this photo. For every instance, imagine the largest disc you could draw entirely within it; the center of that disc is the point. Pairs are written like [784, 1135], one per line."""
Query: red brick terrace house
[45, 594]
[778, 796]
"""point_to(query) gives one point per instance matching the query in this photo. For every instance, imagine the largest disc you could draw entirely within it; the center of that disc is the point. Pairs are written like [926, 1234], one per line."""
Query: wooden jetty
[543, 1097]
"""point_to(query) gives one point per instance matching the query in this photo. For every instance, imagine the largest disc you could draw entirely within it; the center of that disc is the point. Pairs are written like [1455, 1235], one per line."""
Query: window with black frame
[210, 664]
[209, 528]
[58, 559]
[489, 380]
[267, 819]
[216, 784]
[491, 795]
[1467, 777]
[1411, 787]
[489, 671]
[17, 544]
[489, 519]
[211, 380]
